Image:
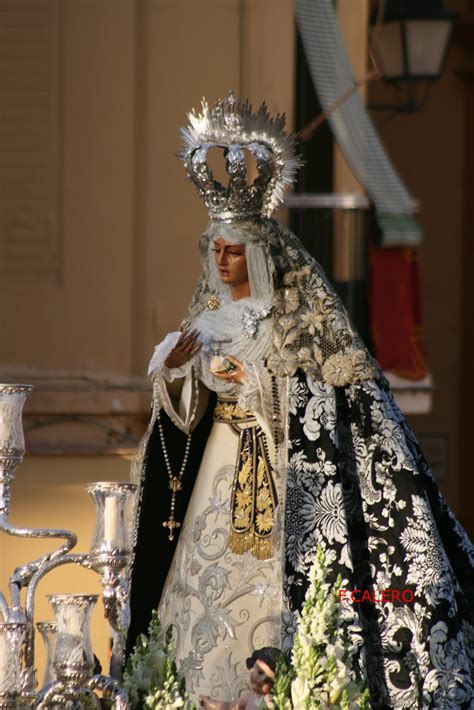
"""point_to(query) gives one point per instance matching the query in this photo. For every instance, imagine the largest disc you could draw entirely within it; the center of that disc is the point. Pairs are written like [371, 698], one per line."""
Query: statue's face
[231, 262]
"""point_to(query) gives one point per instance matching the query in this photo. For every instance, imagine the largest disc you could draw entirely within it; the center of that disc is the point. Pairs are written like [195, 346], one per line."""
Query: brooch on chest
[251, 317]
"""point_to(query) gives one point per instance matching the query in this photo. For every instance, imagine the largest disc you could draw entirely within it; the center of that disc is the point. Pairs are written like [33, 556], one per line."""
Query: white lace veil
[259, 266]
[310, 326]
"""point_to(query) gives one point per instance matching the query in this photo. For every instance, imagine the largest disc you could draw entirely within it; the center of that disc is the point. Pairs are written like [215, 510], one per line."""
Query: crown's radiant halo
[232, 126]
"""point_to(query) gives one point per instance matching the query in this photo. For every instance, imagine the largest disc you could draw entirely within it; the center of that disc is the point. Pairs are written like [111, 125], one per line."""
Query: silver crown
[232, 126]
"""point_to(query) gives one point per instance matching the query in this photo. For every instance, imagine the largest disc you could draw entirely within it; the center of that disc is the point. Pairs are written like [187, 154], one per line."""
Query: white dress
[223, 605]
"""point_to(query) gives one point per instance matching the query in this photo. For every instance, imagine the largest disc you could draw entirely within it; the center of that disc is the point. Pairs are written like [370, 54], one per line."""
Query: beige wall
[354, 28]
[81, 321]
[128, 221]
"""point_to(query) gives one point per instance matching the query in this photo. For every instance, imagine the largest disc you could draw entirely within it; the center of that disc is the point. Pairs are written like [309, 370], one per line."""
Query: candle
[111, 518]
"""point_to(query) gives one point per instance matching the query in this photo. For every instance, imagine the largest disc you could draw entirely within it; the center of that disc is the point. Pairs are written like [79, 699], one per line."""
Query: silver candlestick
[110, 550]
[48, 631]
[12, 442]
[72, 682]
[12, 637]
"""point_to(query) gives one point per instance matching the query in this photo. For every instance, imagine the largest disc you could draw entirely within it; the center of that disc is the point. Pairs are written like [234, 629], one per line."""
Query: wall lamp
[410, 41]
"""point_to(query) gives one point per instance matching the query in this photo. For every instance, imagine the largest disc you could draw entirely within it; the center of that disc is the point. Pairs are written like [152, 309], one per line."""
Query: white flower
[143, 678]
[338, 682]
[151, 678]
[300, 693]
[157, 659]
[306, 642]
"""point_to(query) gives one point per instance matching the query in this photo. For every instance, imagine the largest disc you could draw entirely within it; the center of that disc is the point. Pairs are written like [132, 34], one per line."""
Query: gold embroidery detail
[213, 302]
[254, 498]
[260, 548]
[230, 411]
[311, 330]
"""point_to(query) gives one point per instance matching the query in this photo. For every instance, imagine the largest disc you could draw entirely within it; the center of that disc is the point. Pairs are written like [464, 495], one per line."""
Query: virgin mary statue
[273, 431]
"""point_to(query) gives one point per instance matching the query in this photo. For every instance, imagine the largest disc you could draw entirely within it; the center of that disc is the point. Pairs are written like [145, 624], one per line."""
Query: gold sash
[253, 499]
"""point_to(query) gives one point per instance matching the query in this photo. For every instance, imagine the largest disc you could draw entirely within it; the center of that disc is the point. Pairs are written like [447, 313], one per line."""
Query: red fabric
[396, 312]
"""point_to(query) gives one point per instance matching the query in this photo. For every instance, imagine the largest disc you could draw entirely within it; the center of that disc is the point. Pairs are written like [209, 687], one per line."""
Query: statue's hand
[236, 374]
[186, 348]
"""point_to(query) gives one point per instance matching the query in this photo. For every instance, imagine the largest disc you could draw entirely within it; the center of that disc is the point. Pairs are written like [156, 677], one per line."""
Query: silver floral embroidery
[251, 317]
[208, 599]
[448, 682]
[429, 569]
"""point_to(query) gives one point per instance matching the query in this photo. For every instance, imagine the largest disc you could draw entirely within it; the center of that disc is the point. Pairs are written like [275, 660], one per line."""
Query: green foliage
[151, 678]
[281, 693]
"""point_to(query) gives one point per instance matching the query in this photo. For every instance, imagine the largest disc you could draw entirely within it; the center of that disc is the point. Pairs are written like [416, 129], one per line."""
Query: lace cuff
[185, 412]
[256, 394]
[249, 394]
[157, 363]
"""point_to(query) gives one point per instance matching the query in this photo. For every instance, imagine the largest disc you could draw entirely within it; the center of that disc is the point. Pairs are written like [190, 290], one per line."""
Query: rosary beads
[276, 411]
[175, 480]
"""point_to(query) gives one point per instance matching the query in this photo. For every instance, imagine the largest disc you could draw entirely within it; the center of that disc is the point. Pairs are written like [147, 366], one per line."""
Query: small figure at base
[262, 666]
